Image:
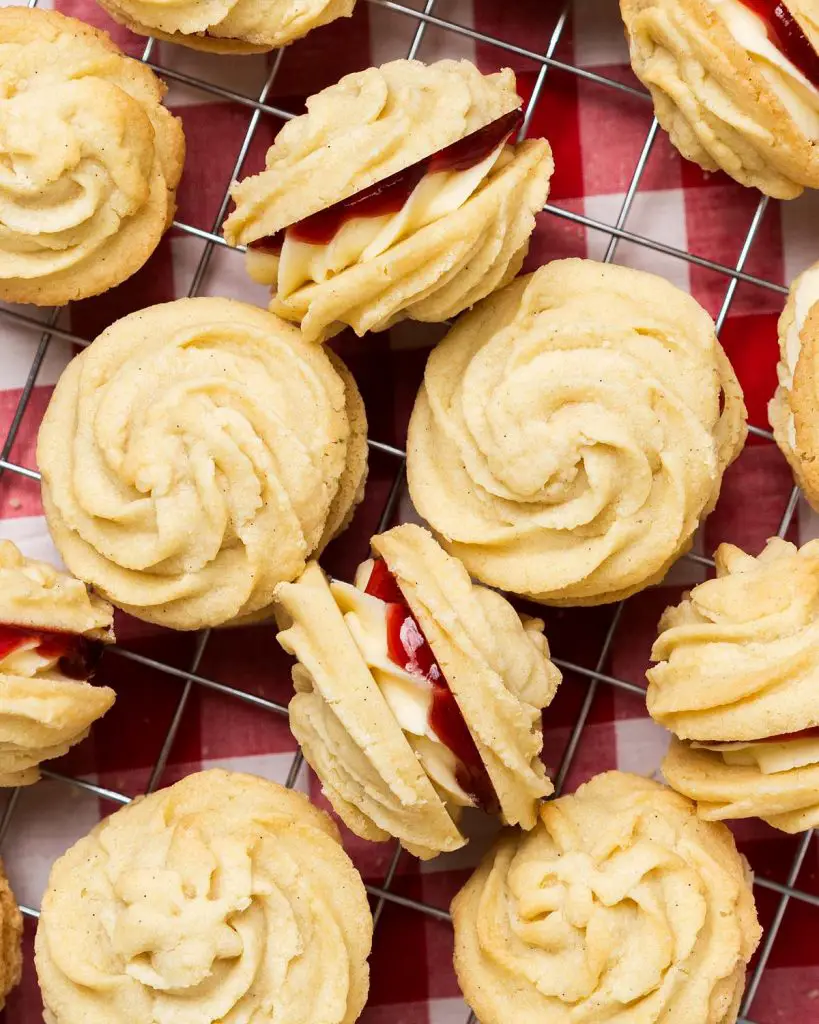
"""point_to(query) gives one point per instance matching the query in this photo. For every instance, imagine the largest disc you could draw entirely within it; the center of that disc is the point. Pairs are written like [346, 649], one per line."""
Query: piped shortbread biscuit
[572, 432]
[735, 83]
[399, 194]
[621, 905]
[737, 682]
[90, 160]
[197, 454]
[227, 26]
[52, 632]
[418, 694]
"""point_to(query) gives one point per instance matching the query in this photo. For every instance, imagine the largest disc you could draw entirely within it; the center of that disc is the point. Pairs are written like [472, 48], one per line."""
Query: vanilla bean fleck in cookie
[737, 682]
[735, 83]
[418, 693]
[794, 409]
[620, 906]
[227, 26]
[399, 194]
[572, 432]
[89, 160]
[223, 898]
[197, 454]
[52, 633]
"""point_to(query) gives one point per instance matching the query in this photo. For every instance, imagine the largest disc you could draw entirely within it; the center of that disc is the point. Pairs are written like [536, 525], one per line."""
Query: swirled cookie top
[224, 897]
[42, 50]
[560, 416]
[368, 126]
[736, 658]
[620, 898]
[37, 595]
[191, 457]
[258, 21]
[91, 159]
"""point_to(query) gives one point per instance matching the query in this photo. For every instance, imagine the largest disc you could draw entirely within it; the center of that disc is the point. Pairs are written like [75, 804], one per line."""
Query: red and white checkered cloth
[597, 134]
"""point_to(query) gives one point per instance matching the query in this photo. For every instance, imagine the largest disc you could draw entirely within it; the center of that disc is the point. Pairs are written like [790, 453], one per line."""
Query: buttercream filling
[771, 41]
[771, 755]
[43, 653]
[805, 295]
[361, 228]
[406, 671]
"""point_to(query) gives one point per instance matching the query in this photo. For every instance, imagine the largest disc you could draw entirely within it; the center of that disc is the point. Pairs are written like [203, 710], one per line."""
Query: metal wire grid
[617, 233]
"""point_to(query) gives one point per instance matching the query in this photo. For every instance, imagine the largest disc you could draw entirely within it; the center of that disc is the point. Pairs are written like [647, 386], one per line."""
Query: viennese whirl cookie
[621, 905]
[91, 160]
[400, 193]
[735, 83]
[198, 453]
[222, 898]
[737, 682]
[572, 432]
[418, 693]
[227, 26]
[52, 631]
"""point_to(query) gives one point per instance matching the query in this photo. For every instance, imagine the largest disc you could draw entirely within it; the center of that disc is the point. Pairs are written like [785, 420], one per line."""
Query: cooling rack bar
[426, 18]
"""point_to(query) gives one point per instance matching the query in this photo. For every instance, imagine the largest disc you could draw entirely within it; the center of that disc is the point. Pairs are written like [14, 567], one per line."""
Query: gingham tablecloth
[598, 134]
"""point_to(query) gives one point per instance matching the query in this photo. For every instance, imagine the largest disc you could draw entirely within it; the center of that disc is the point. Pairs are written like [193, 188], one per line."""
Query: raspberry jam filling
[77, 656]
[409, 649]
[785, 32]
[391, 194]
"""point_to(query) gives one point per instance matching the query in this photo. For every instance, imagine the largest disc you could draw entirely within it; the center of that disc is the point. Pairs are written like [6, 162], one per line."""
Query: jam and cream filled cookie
[735, 83]
[737, 682]
[52, 632]
[222, 898]
[793, 409]
[91, 160]
[11, 939]
[417, 694]
[197, 454]
[621, 905]
[227, 26]
[572, 432]
[400, 193]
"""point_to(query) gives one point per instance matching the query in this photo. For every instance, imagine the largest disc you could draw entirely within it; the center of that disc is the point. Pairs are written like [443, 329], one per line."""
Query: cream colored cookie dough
[621, 906]
[48, 618]
[197, 454]
[11, 939]
[92, 160]
[572, 432]
[729, 98]
[793, 409]
[223, 898]
[461, 234]
[737, 682]
[227, 26]
[363, 719]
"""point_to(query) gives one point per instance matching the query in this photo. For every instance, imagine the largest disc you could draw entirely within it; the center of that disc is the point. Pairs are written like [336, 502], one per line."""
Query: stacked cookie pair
[735, 83]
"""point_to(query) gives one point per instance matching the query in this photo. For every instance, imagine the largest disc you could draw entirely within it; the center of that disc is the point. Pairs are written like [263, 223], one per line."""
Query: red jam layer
[390, 195]
[78, 656]
[409, 649]
[785, 32]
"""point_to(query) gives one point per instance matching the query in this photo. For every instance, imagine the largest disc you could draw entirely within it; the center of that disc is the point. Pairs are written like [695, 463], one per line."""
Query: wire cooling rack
[733, 275]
